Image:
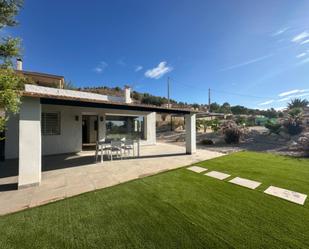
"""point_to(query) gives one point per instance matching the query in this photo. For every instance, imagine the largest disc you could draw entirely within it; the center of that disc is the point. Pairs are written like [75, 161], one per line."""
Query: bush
[273, 127]
[231, 132]
[232, 136]
[207, 142]
[293, 126]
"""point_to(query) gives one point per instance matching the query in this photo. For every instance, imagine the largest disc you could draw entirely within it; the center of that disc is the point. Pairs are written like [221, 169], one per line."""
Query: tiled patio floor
[68, 175]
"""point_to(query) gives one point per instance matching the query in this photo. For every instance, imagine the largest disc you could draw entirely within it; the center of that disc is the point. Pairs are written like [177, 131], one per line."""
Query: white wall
[12, 136]
[70, 139]
[30, 146]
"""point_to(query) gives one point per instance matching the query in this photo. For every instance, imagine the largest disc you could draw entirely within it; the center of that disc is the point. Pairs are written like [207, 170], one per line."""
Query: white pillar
[150, 128]
[190, 120]
[30, 143]
[102, 126]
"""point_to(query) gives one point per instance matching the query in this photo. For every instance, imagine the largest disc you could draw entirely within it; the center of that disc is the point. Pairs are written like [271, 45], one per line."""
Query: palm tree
[298, 103]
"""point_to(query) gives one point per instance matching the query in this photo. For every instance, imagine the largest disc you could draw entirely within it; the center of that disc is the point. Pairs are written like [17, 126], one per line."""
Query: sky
[251, 53]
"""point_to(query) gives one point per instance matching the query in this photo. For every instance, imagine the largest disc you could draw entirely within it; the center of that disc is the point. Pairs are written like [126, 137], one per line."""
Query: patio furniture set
[118, 148]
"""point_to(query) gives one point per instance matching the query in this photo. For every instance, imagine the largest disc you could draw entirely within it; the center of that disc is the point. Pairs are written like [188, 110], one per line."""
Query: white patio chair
[116, 147]
[128, 146]
[101, 148]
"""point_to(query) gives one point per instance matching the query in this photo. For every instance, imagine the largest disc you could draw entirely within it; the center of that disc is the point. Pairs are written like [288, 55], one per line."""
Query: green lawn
[177, 209]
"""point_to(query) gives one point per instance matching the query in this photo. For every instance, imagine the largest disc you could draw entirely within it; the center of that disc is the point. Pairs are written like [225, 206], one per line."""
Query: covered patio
[73, 174]
[51, 123]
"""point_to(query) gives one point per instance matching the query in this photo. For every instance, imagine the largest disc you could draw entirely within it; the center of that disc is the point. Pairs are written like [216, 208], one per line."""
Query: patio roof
[53, 96]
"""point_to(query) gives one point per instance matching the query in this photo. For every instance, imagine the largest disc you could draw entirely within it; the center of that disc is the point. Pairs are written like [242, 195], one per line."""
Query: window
[122, 126]
[50, 123]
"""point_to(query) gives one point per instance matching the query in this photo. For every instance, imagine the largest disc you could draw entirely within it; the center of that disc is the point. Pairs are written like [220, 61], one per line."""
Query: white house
[53, 120]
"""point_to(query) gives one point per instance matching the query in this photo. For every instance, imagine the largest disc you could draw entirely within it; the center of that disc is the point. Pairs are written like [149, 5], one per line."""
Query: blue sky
[253, 53]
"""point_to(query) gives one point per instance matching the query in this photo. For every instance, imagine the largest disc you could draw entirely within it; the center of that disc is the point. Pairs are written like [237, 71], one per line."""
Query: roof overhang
[111, 105]
[54, 96]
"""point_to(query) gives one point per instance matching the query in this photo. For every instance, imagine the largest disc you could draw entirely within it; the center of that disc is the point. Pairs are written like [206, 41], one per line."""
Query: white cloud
[280, 31]
[283, 94]
[300, 37]
[304, 61]
[138, 68]
[281, 108]
[304, 42]
[295, 96]
[247, 62]
[159, 71]
[267, 102]
[301, 55]
[284, 99]
[101, 67]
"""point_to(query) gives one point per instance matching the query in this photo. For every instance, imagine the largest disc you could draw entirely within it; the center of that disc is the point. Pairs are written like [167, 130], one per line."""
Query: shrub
[207, 142]
[232, 136]
[293, 126]
[215, 125]
[293, 123]
[273, 127]
[231, 132]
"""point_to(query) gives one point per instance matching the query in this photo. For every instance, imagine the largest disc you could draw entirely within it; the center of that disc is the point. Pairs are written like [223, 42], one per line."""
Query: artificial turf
[176, 209]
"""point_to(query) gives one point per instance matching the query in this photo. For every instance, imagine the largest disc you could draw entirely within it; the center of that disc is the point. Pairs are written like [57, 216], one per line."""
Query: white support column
[150, 128]
[30, 143]
[190, 120]
[101, 126]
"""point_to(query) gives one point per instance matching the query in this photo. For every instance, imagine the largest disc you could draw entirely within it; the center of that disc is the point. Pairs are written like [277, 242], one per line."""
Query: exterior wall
[30, 154]
[12, 137]
[70, 138]
[71, 93]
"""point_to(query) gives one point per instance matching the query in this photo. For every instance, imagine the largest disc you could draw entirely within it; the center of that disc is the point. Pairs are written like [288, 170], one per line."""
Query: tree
[11, 83]
[225, 108]
[298, 103]
[214, 107]
[69, 85]
[238, 109]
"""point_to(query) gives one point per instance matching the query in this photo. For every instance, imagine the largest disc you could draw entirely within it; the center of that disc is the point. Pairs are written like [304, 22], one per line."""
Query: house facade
[53, 120]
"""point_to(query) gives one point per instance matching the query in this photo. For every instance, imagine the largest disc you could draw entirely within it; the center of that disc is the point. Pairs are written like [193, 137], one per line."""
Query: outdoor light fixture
[76, 118]
[101, 118]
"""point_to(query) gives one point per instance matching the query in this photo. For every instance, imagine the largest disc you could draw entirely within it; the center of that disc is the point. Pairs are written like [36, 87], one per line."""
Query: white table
[104, 145]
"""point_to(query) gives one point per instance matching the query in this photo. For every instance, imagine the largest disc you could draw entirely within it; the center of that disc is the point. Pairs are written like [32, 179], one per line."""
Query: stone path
[217, 175]
[285, 194]
[197, 169]
[245, 182]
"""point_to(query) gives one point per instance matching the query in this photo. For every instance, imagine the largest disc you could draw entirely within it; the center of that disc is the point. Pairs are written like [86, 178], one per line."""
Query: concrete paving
[245, 182]
[286, 194]
[197, 169]
[69, 175]
[217, 175]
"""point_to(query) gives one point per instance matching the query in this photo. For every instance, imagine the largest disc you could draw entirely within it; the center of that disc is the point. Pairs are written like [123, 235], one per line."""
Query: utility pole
[168, 92]
[209, 100]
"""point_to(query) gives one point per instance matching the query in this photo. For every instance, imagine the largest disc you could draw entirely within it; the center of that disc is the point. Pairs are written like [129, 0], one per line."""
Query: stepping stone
[245, 182]
[197, 169]
[286, 194]
[217, 175]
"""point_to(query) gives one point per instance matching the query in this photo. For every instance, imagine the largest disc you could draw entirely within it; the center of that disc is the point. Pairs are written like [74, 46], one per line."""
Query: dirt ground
[256, 139]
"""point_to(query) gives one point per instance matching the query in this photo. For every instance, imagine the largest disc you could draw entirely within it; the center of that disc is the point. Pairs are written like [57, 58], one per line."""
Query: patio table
[105, 145]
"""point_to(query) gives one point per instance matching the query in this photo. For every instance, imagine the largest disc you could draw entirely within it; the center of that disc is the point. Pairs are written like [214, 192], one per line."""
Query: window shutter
[50, 123]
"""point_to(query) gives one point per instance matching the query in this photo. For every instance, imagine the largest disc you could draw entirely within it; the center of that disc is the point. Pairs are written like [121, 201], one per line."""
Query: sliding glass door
[128, 127]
